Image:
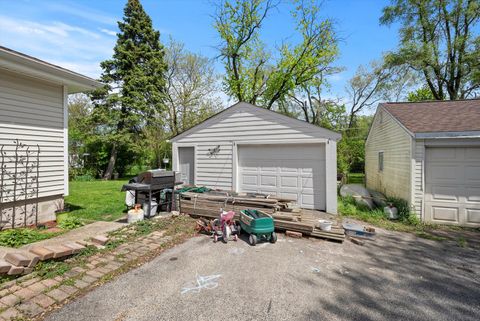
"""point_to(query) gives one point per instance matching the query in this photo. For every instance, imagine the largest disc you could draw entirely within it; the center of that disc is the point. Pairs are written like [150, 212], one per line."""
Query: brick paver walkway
[31, 296]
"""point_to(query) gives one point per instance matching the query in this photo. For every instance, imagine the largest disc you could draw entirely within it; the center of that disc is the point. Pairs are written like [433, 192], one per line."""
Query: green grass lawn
[95, 200]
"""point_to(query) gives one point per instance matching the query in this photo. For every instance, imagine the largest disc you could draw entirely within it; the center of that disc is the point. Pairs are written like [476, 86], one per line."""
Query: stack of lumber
[209, 204]
[305, 222]
[286, 216]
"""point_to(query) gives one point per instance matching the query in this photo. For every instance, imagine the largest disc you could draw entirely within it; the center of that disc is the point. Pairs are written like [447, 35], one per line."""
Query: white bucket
[325, 225]
[150, 212]
[135, 215]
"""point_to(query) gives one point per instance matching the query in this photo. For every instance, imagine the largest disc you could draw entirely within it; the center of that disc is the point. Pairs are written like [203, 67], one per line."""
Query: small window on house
[380, 161]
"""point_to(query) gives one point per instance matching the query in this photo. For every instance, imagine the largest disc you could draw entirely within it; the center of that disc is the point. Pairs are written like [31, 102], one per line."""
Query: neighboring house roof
[30, 66]
[437, 117]
[326, 132]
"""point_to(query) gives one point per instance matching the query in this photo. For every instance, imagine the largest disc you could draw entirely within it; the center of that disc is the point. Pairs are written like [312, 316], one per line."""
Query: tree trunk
[111, 163]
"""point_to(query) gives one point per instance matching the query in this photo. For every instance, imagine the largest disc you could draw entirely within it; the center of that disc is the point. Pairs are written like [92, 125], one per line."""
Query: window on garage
[380, 161]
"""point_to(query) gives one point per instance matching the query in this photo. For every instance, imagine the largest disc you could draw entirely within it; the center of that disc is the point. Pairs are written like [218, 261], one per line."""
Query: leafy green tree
[257, 76]
[192, 88]
[135, 86]
[439, 39]
[421, 94]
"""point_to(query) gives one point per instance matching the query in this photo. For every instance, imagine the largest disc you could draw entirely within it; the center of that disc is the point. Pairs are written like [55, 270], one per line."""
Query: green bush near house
[69, 223]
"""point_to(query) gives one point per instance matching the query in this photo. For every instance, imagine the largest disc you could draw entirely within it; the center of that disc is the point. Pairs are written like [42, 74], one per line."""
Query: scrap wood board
[303, 221]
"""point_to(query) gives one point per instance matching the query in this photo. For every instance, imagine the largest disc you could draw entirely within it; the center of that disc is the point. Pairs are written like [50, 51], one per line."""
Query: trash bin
[150, 212]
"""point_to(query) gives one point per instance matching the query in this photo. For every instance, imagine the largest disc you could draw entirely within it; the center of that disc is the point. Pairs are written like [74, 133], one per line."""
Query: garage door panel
[448, 214]
[473, 194]
[473, 216]
[290, 171]
[472, 174]
[249, 179]
[268, 181]
[444, 193]
[289, 181]
[472, 154]
[452, 185]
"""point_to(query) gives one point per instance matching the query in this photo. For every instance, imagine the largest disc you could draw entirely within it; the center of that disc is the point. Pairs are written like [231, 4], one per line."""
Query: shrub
[69, 223]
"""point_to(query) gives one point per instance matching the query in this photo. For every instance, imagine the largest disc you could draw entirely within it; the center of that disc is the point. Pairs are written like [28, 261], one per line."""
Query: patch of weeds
[70, 223]
[21, 236]
[429, 236]
[69, 281]
[88, 251]
[6, 278]
[112, 244]
[51, 269]
[143, 228]
[120, 256]
[461, 241]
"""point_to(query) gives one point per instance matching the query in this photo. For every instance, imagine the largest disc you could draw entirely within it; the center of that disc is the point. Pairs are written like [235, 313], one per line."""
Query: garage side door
[452, 186]
[290, 171]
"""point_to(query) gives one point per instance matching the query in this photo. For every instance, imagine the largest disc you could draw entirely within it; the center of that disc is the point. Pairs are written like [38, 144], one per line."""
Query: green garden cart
[259, 225]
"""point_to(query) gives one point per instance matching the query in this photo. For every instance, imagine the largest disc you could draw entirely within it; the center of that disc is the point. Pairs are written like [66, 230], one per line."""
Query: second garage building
[246, 148]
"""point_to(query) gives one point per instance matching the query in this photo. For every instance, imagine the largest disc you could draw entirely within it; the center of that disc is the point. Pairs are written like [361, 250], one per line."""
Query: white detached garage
[250, 149]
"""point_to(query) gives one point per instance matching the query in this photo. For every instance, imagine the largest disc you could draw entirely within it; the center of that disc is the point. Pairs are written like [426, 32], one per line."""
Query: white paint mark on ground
[202, 282]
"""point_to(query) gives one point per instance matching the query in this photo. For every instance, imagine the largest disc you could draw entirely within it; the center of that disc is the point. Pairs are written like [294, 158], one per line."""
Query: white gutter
[434, 135]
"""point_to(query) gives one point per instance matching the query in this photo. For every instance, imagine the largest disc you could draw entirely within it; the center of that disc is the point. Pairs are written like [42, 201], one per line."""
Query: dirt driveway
[397, 277]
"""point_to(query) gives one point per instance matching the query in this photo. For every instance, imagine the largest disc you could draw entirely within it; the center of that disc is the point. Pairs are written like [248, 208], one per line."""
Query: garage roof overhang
[20, 63]
[443, 135]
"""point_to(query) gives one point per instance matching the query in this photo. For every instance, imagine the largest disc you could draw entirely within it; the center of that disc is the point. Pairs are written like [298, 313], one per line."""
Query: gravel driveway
[396, 277]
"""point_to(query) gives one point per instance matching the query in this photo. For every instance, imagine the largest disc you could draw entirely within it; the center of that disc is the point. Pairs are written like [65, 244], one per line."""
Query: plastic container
[325, 225]
[136, 214]
[150, 212]
[391, 211]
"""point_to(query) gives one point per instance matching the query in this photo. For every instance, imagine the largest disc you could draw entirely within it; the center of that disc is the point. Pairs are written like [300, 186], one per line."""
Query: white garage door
[291, 171]
[452, 186]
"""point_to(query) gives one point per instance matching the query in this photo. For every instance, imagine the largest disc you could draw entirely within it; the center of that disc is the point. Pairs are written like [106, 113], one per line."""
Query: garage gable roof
[437, 118]
[325, 133]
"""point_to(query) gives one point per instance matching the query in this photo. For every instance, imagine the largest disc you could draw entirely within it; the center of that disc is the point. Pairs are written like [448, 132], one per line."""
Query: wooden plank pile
[284, 212]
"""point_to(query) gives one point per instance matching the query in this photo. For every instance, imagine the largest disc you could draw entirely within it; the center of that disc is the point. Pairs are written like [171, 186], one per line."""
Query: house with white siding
[246, 148]
[428, 153]
[34, 136]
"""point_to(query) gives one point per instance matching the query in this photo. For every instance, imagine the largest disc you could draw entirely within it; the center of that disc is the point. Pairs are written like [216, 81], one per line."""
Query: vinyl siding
[388, 136]
[244, 124]
[32, 112]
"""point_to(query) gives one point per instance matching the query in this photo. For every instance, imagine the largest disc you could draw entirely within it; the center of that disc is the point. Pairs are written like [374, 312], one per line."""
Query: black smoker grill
[148, 186]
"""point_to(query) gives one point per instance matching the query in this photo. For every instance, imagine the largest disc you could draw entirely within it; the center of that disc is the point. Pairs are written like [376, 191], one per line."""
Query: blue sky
[79, 34]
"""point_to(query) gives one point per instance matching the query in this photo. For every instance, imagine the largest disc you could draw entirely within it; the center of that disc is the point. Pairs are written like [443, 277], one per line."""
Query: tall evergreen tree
[135, 85]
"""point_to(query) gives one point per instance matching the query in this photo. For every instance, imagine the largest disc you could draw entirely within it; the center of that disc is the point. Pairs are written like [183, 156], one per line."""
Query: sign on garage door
[285, 170]
[452, 185]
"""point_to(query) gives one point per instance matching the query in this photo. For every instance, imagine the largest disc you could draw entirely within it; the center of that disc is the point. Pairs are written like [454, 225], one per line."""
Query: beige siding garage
[388, 137]
[452, 185]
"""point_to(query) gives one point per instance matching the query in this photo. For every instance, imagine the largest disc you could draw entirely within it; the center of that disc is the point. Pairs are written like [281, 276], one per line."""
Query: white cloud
[83, 12]
[108, 32]
[67, 45]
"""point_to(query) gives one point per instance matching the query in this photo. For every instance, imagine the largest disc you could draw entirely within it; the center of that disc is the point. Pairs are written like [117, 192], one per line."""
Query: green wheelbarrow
[259, 225]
